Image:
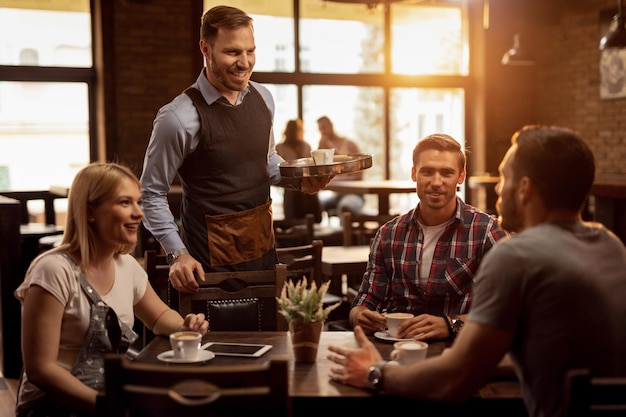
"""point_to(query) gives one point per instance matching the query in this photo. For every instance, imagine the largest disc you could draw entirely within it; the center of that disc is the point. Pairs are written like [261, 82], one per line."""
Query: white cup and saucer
[186, 348]
[393, 321]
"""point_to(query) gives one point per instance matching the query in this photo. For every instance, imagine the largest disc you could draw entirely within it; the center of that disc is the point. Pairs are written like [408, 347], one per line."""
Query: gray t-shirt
[561, 289]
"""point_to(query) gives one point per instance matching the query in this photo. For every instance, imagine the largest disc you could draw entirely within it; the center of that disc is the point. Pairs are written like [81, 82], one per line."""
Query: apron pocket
[239, 237]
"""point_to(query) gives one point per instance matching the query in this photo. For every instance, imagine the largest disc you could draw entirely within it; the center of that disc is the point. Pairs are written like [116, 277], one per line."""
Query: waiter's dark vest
[227, 173]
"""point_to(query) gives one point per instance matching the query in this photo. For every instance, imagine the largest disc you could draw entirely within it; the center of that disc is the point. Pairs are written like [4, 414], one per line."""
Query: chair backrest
[586, 395]
[294, 232]
[157, 268]
[303, 260]
[156, 390]
[359, 229]
[155, 264]
[239, 300]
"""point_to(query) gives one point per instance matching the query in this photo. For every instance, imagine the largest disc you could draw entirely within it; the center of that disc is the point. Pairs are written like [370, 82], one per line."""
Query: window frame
[87, 75]
[385, 80]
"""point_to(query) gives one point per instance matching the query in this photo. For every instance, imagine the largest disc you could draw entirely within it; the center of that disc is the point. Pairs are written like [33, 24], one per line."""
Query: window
[45, 71]
[341, 38]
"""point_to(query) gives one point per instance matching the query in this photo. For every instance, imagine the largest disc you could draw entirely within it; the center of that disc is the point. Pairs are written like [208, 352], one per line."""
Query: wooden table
[340, 263]
[381, 188]
[24, 196]
[311, 390]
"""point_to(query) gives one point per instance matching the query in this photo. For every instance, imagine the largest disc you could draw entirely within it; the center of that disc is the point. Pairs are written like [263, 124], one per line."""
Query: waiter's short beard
[220, 74]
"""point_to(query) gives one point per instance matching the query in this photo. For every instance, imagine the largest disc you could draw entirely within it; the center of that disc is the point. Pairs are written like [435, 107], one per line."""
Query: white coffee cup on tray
[186, 344]
[323, 156]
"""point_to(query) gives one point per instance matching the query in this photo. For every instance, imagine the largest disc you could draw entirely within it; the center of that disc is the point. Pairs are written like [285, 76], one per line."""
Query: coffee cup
[323, 156]
[409, 351]
[185, 345]
[393, 320]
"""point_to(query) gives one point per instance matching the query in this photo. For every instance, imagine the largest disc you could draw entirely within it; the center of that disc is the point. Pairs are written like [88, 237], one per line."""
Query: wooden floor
[8, 390]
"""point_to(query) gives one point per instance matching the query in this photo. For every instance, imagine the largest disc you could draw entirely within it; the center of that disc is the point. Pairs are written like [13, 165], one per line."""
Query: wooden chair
[306, 260]
[359, 229]
[157, 268]
[588, 396]
[239, 300]
[154, 390]
[294, 232]
[303, 260]
[155, 264]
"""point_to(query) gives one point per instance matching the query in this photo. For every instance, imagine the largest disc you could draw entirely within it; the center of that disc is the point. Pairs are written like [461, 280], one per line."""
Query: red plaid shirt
[391, 280]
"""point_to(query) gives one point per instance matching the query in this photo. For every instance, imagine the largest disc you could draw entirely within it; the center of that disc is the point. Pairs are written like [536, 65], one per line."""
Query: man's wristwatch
[375, 375]
[172, 256]
[455, 324]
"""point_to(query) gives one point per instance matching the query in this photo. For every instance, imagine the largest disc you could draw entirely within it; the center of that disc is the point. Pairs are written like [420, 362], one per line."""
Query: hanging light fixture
[616, 36]
[517, 55]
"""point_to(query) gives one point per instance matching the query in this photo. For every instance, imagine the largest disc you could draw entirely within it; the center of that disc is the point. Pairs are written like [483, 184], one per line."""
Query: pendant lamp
[517, 55]
[616, 36]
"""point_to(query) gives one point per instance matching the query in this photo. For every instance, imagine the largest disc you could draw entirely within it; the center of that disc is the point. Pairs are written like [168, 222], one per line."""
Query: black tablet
[251, 350]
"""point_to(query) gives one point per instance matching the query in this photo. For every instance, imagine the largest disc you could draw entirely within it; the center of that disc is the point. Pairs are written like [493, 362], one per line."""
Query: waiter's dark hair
[222, 17]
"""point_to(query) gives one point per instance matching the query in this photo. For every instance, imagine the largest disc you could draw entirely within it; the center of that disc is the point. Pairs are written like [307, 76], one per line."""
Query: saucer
[203, 356]
[385, 337]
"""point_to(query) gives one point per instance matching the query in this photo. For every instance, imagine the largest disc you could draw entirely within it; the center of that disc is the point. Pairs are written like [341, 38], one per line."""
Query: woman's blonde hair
[93, 185]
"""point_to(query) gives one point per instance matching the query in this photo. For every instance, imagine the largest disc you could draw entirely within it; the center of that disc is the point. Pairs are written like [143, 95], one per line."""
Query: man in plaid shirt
[425, 261]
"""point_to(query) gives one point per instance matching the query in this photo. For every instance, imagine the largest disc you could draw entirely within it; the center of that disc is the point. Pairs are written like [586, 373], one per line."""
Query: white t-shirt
[431, 237]
[58, 275]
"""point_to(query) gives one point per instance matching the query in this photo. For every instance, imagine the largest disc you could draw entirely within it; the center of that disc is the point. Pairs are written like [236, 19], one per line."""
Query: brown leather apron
[239, 237]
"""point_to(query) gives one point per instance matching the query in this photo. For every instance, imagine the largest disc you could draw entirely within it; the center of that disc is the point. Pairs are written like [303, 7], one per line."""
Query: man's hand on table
[370, 321]
[353, 364]
[424, 327]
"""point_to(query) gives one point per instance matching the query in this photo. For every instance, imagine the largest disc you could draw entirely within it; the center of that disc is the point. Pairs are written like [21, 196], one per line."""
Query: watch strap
[375, 375]
[171, 257]
[455, 324]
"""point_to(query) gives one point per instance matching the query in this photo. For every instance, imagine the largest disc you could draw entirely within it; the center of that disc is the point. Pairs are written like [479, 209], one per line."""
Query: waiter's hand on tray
[312, 185]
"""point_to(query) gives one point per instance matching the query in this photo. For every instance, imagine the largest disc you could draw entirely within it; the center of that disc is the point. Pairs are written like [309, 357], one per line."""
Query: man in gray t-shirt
[560, 289]
[551, 295]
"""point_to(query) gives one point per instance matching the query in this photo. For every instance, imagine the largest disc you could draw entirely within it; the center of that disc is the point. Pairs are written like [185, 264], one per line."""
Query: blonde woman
[79, 301]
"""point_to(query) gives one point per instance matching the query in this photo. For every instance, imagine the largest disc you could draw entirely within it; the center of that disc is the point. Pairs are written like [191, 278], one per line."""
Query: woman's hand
[195, 323]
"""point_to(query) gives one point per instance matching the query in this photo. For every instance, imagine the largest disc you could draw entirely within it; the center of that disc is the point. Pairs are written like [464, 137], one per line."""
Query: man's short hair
[222, 17]
[559, 163]
[440, 142]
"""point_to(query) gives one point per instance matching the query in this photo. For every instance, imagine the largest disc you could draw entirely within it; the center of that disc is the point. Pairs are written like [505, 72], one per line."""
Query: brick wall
[569, 88]
[564, 87]
[156, 57]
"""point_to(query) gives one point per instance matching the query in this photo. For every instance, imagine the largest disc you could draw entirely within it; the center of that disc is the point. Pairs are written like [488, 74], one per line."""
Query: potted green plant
[303, 308]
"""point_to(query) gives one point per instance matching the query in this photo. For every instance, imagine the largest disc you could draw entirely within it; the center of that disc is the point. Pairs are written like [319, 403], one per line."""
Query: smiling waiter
[217, 135]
